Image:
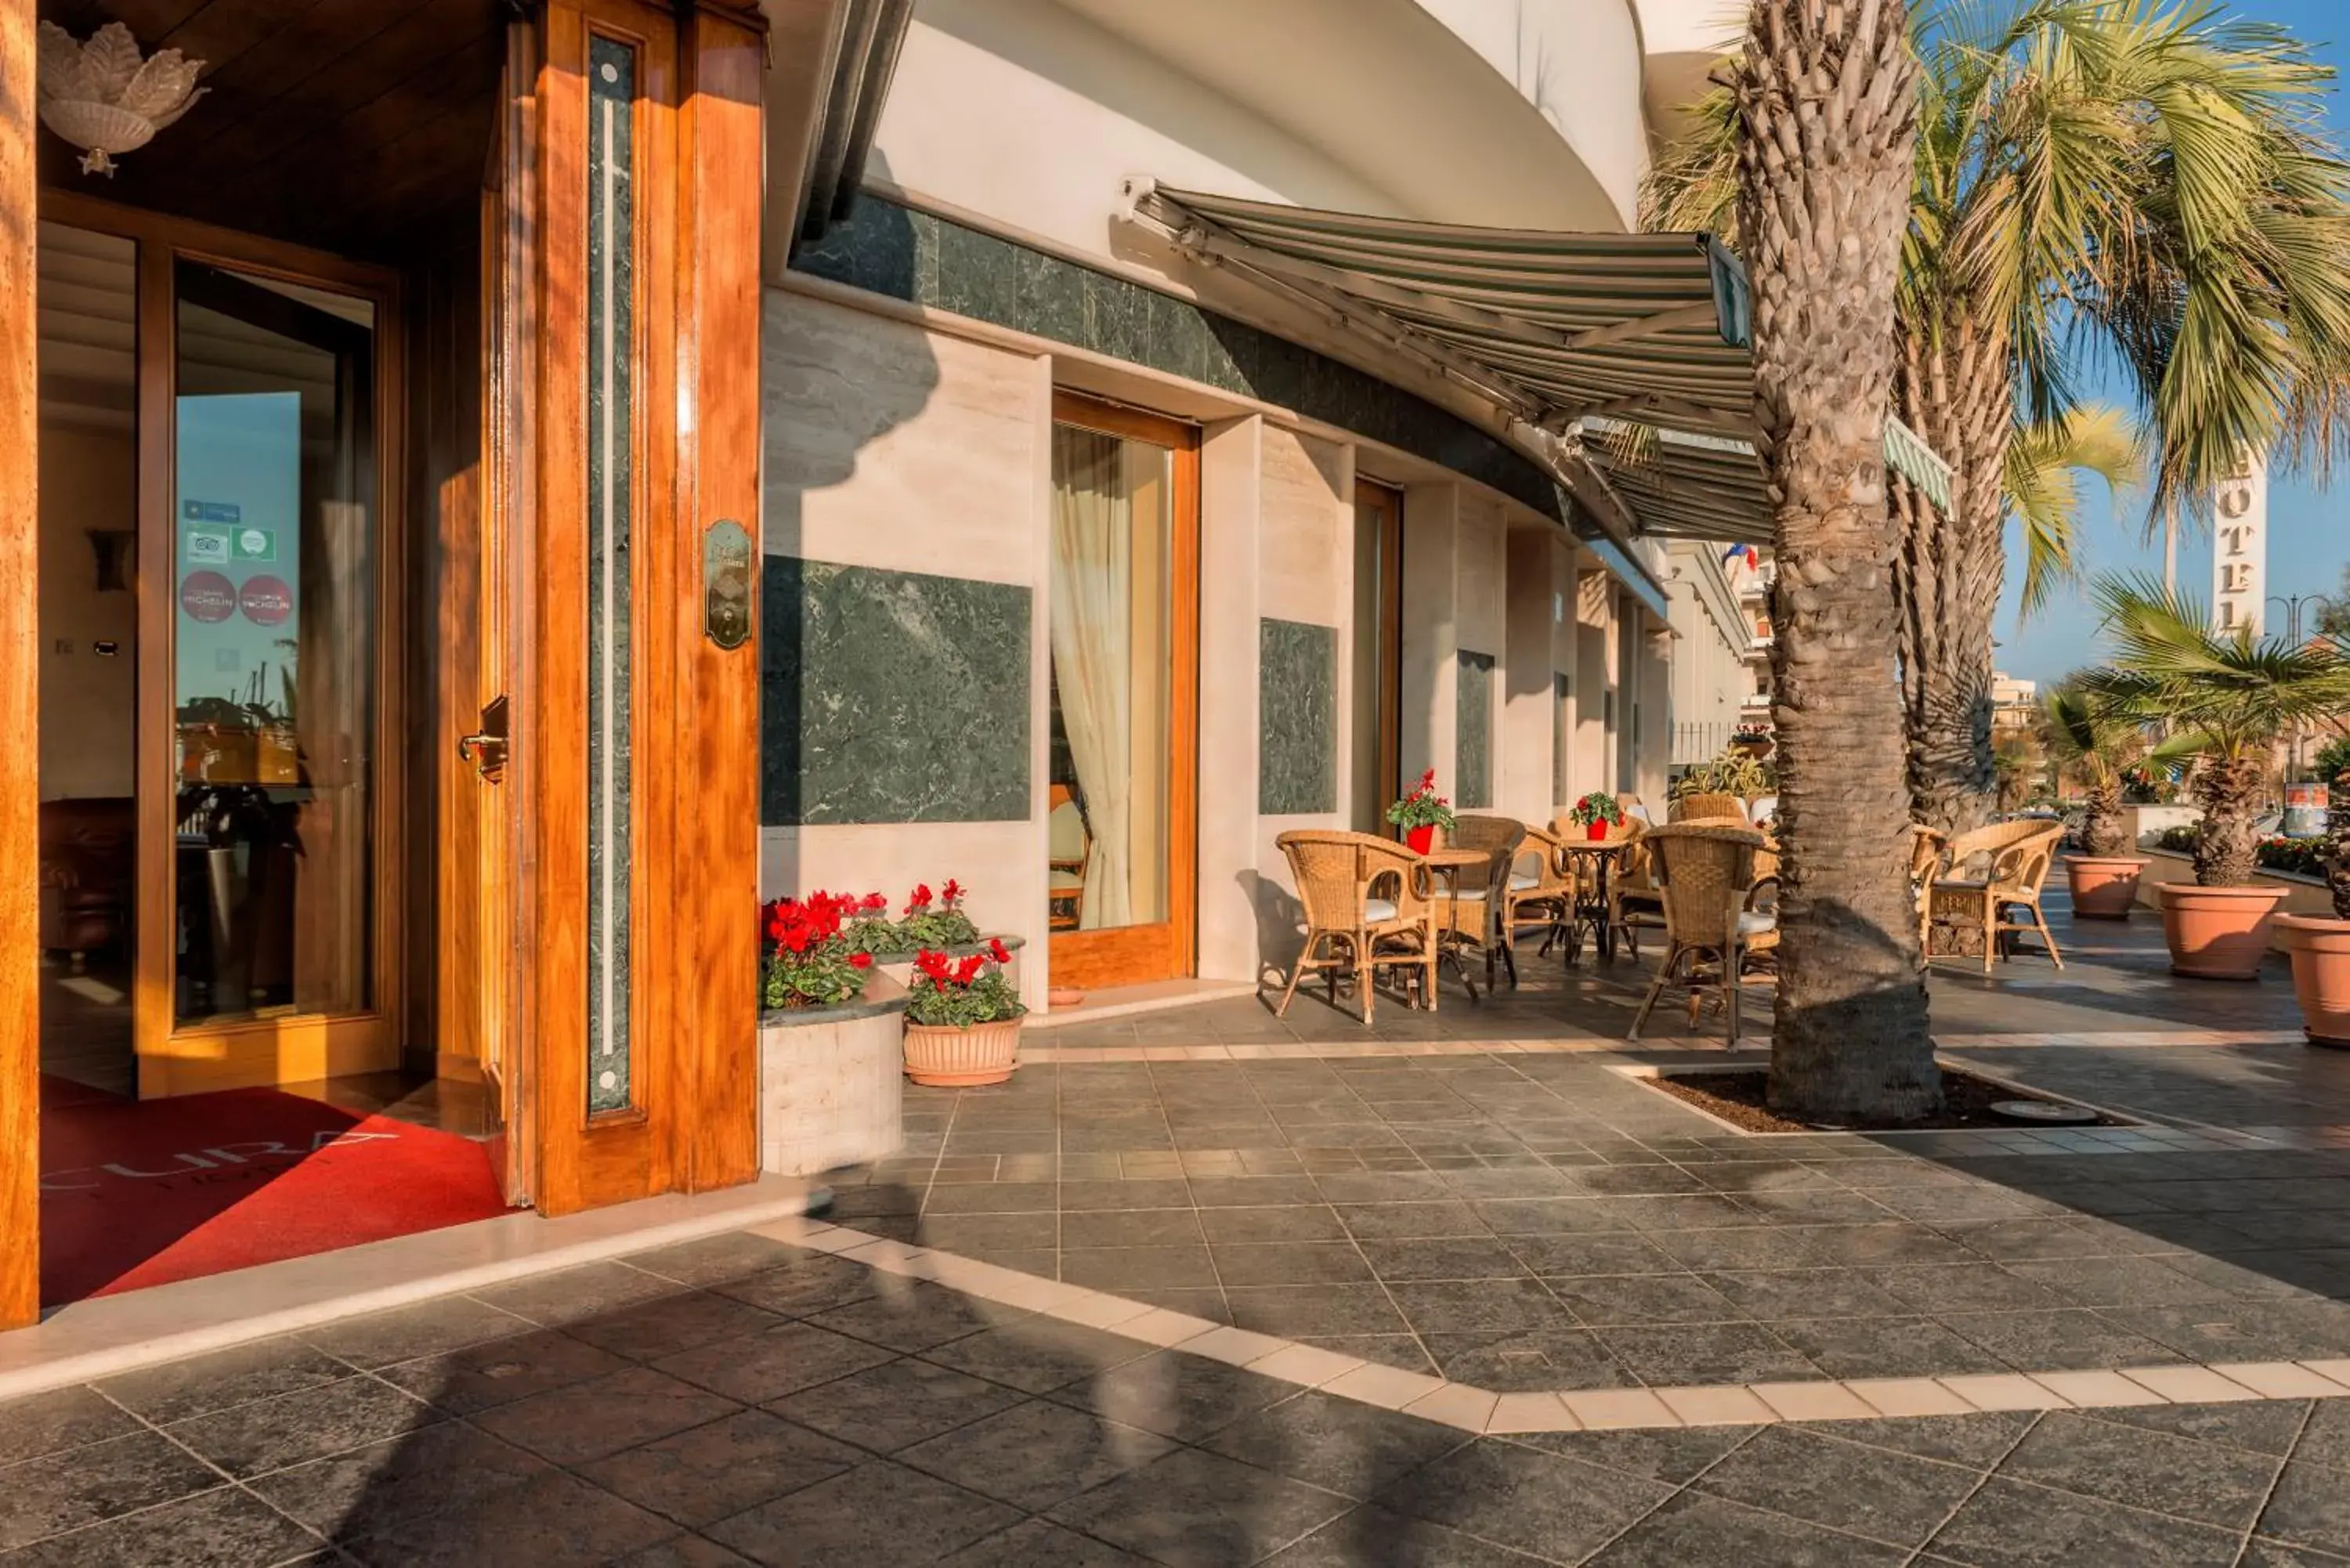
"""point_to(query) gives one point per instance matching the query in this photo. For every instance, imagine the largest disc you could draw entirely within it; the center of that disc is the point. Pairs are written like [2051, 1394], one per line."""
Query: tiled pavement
[1513, 1220]
[742, 1400]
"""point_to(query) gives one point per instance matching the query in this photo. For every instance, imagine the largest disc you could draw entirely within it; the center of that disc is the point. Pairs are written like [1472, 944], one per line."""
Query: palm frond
[2045, 462]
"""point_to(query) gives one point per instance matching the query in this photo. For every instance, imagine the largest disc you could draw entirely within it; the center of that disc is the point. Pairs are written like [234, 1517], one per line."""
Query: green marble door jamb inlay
[1298, 719]
[611, 327]
[1473, 787]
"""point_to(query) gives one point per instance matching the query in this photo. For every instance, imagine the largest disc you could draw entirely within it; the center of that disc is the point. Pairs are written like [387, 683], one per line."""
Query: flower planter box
[901, 969]
[831, 1083]
[938, 1057]
[2103, 886]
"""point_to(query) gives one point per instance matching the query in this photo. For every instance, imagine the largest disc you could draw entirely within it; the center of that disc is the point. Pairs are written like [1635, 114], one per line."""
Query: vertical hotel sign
[2239, 547]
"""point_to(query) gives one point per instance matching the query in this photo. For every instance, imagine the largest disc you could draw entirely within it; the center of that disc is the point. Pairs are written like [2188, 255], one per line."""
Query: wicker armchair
[1710, 808]
[2014, 858]
[1366, 906]
[1479, 915]
[1706, 873]
[1542, 886]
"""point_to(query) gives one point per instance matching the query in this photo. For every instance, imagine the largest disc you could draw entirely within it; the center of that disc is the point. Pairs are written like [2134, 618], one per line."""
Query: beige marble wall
[1305, 518]
[1232, 503]
[1428, 696]
[1528, 713]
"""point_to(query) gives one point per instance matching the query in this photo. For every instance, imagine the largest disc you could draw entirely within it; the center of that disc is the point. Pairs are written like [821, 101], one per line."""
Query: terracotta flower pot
[1421, 840]
[2105, 886]
[2320, 948]
[2216, 933]
[938, 1057]
[1595, 831]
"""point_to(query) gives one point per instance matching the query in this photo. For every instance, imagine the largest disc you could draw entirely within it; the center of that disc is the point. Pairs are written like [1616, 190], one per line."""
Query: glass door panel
[275, 648]
[1123, 627]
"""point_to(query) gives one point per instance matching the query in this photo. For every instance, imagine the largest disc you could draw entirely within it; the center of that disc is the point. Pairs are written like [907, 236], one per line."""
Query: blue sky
[2307, 541]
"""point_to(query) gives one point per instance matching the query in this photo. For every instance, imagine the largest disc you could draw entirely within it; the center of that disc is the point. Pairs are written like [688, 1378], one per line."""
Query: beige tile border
[1474, 1410]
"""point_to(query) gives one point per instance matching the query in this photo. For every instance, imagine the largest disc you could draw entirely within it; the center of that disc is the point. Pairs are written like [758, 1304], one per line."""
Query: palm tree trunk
[1956, 392]
[2101, 819]
[2229, 791]
[1826, 101]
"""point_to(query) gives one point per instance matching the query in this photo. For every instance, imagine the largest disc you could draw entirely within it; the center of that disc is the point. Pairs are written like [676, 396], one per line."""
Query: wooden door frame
[20, 682]
[1124, 954]
[244, 1052]
[695, 449]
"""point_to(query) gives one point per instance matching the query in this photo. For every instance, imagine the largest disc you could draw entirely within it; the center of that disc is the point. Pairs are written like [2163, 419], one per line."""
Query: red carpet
[137, 1193]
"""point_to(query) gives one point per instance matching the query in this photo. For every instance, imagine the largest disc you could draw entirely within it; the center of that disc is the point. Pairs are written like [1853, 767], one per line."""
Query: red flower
[954, 892]
[930, 965]
[861, 961]
[997, 951]
[920, 900]
[876, 901]
[967, 970]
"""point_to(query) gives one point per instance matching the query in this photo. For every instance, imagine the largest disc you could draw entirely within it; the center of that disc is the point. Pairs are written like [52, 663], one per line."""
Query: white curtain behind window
[1092, 571]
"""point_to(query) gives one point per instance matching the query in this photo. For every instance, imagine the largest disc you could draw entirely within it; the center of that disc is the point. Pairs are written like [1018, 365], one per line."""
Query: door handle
[486, 747]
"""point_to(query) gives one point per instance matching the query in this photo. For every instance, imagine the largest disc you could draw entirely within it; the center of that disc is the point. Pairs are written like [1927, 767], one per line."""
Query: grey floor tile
[2265, 1551]
[1885, 1347]
[1533, 1360]
[1252, 1191]
[684, 1552]
[1478, 1307]
[222, 1529]
[1036, 1454]
[583, 1421]
[2068, 1338]
[1168, 1193]
[1403, 1351]
[1668, 1454]
[2326, 1438]
[973, 1234]
[1241, 1264]
[63, 1418]
[1807, 1293]
[715, 1259]
[1977, 1442]
[1644, 1299]
[1125, 1269]
[1593, 1253]
[1694, 1530]
[1707, 1352]
[1300, 1312]
[2311, 1507]
[2117, 1281]
[915, 1317]
[271, 1434]
[805, 1285]
[1444, 1258]
[367, 1490]
[95, 1482]
[1871, 1492]
[1293, 1222]
[1946, 1289]
[992, 1198]
[1406, 1221]
[1550, 1215]
[558, 1520]
[705, 1474]
[1178, 1395]
[888, 1406]
[428, 1328]
[1340, 1445]
[1543, 1503]
[571, 1294]
[1089, 1228]
[1040, 1543]
[1038, 1355]
[880, 1512]
[502, 1371]
[2140, 1468]
[1368, 1536]
[669, 1326]
[1198, 1510]
[178, 1390]
[2008, 1524]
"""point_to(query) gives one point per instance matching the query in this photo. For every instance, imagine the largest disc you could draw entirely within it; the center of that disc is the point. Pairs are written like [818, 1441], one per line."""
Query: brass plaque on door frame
[726, 583]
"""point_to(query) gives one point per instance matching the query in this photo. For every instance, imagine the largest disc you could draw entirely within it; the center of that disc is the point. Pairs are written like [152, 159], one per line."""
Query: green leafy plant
[2225, 698]
[1423, 807]
[807, 962]
[1735, 771]
[2333, 758]
[930, 920]
[2301, 857]
[959, 993]
[2094, 744]
[2180, 840]
[1597, 806]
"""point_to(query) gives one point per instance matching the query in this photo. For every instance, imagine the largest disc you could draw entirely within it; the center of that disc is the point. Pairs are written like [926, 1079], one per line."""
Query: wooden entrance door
[1124, 615]
[628, 316]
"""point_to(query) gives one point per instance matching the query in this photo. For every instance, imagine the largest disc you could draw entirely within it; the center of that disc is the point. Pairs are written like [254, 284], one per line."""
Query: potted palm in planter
[1421, 813]
[2224, 697]
[2320, 950]
[962, 1019]
[2096, 744]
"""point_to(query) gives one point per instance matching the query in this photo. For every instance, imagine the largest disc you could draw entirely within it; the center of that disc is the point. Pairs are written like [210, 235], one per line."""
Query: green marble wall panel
[892, 696]
[1562, 730]
[1298, 719]
[1473, 767]
[893, 250]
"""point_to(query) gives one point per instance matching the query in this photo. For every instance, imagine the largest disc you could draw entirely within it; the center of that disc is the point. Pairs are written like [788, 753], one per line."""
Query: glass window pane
[275, 647]
[1112, 625]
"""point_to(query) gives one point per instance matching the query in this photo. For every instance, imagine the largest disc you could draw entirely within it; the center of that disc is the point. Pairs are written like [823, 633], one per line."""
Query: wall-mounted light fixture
[105, 98]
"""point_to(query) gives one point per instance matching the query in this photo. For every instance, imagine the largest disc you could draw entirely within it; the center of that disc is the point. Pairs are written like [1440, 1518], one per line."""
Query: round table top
[1607, 845]
[1450, 858]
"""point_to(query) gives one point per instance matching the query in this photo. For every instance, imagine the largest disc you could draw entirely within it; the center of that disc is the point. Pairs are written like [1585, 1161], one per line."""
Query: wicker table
[1601, 854]
[1450, 864]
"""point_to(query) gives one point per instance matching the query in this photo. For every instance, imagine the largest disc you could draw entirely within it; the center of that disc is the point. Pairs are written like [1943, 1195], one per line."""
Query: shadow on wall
[830, 387]
[1280, 926]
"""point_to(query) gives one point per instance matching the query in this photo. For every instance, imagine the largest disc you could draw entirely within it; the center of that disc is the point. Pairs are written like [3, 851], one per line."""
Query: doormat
[144, 1192]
